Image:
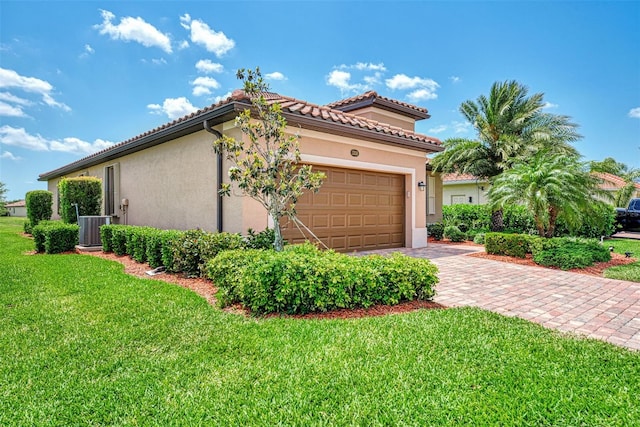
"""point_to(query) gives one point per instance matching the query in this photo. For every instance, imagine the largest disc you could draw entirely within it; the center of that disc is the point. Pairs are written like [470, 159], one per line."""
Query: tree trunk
[553, 216]
[278, 242]
[497, 220]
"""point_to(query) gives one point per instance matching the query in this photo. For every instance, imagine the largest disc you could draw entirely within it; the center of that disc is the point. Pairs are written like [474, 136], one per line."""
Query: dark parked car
[629, 219]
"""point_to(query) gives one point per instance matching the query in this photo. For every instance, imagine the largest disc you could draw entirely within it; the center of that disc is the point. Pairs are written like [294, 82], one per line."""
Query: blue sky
[76, 77]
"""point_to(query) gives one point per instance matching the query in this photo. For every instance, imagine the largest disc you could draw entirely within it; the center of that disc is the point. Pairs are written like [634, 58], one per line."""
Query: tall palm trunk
[497, 220]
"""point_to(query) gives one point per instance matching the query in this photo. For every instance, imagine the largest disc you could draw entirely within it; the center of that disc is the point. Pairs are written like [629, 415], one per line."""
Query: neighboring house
[613, 183]
[169, 177]
[464, 189]
[467, 189]
[18, 208]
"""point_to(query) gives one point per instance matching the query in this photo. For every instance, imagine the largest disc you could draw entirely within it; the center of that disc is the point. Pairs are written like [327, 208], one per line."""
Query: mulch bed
[207, 290]
[596, 269]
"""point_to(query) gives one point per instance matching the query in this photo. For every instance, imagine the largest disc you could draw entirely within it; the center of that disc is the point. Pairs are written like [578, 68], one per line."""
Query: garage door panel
[354, 210]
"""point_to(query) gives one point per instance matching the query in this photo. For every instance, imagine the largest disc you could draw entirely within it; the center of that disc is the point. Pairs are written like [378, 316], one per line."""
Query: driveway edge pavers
[590, 306]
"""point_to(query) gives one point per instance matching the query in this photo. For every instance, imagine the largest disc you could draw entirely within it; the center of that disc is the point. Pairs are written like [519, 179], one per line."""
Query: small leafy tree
[3, 191]
[266, 165]
[550, 185]
[84, 191]
[38, 203]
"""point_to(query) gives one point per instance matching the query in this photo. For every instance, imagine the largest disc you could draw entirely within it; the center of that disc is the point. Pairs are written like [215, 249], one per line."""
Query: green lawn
[81, 343]
[629, 272]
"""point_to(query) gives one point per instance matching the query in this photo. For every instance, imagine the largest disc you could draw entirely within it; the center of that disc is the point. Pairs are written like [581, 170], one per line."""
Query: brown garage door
[354, 210]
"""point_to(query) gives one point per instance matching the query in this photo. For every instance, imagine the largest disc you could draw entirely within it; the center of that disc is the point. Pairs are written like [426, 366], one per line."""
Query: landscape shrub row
[474, 219]
[178, 251]
[54, 237]
[562, 252]
[303, 279]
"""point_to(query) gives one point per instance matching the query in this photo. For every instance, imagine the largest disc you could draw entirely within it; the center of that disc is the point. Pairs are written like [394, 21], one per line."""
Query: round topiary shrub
[454, 234]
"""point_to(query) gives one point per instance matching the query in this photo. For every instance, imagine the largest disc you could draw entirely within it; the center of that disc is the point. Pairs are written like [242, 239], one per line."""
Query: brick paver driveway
[596, 307]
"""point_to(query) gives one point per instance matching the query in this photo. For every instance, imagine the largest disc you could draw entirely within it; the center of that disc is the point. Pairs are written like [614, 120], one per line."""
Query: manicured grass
[81, 343]
[629, 272]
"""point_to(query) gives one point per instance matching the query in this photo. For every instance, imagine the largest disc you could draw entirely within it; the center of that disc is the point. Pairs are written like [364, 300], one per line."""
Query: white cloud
[19, 137]
[183, 45]
[160, 61]
[276, 75]
[222, 97]
[133, 29]
[6, 96]
[422, 95]
[363, 66]
[342, 80]
[438, 129]
[634, 113]
[454, 79]
[11, 79]
[373, 80]
[78, 146]
[206, 66]
[461, 127]
[202, 34]
[173, 107]
[8, 155]
[422, 89]
[203, 85]
[8, 110]
[402, 81]
[549, 105]
[88, 50]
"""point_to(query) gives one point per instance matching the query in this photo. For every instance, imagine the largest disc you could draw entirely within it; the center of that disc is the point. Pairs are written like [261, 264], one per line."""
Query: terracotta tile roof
[305, 108]
[460, 177]
[289, 105]
[371, 97]
[612, 182]
[18, 204]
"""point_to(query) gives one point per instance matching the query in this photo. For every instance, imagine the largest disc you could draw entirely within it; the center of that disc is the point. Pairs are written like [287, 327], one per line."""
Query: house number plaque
[355, 153]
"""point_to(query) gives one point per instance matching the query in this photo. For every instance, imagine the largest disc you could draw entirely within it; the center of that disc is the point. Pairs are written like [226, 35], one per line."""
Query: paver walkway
[596, 307]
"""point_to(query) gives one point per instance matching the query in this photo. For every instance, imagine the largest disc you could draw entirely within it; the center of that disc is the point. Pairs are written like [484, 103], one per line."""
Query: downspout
[218, 135]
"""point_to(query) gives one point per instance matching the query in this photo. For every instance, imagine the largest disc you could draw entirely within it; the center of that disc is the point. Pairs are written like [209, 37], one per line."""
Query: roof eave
[318, 124]
[183, 128]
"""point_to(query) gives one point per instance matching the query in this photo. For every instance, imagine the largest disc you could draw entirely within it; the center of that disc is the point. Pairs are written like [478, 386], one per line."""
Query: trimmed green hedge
[38, 204]
[86, 191]
[515, 245]
[563, 252]
[194, 248]
[303, 279]
[53, 237]
[454, 234]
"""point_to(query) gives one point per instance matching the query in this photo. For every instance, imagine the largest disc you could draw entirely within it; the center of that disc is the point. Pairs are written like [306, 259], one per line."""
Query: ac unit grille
[90, 229]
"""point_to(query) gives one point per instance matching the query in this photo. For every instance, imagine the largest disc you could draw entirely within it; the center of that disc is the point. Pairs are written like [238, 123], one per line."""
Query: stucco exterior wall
[173, 185]
[388, 117]
[19, 211]
[170, 186]
[460, 193]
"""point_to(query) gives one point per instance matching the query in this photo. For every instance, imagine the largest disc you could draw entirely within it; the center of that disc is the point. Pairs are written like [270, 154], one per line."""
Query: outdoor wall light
[422, 185]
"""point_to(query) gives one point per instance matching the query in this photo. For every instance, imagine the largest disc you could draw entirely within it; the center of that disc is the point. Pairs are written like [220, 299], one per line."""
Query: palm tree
[550, 185]
[629, 175]
[510, 127]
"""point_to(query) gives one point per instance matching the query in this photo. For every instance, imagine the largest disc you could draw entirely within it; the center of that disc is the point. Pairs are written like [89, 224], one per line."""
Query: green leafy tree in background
[511, 127]
[550, 185]
[3, 191]
[629, 175]
[266, 166]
